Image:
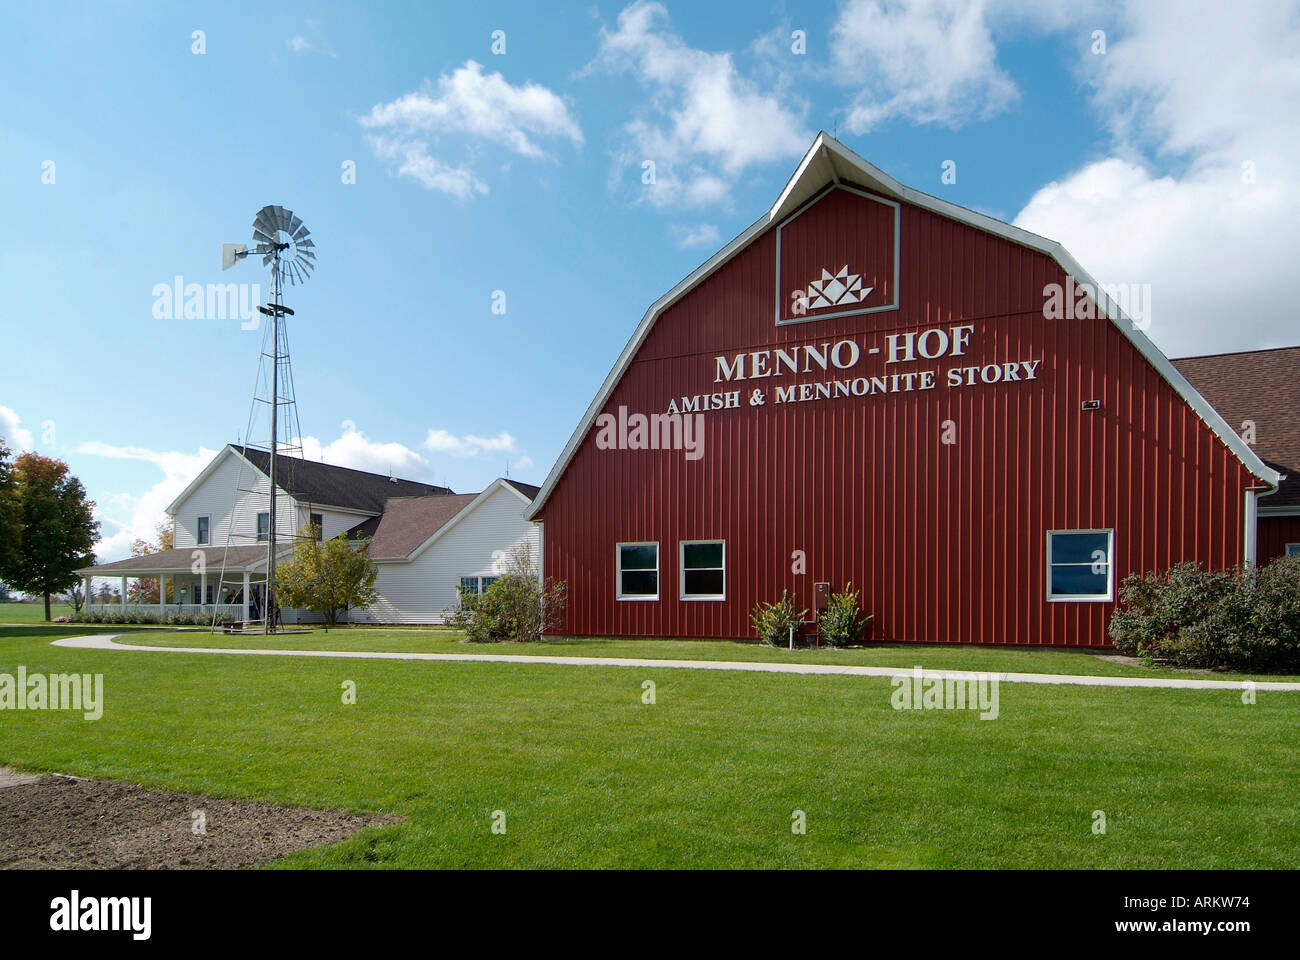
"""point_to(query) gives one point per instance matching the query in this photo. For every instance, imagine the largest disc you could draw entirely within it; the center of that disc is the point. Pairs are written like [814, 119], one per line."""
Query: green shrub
[840, 624]
[773, 621]
[515, 607]
[1246, 618]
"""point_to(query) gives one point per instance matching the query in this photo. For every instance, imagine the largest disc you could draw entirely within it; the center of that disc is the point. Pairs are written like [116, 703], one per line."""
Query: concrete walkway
[109, 642]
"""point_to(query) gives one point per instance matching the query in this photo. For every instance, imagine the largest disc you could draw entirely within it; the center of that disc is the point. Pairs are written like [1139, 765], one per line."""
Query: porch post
[244, 617]
[162, 591]
[89, 584]
[203, 585]
[124, 593]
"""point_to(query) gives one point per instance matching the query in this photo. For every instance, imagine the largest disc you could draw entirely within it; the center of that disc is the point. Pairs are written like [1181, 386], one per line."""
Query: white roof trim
[826, 148]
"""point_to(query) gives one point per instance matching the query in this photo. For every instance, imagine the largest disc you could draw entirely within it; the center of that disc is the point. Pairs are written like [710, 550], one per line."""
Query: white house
[426, 541]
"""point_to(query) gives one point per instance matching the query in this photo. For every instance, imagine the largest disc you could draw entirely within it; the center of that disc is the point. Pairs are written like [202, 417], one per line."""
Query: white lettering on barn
[844, 356]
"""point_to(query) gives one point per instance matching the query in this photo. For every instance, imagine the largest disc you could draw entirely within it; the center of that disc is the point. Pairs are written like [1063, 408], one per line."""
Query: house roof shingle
[527, 489]
[329, 485]
[409, 521]
[1262, 386]
[181, 561]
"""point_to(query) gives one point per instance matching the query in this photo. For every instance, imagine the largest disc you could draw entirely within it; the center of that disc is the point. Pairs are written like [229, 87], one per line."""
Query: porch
[198, 581]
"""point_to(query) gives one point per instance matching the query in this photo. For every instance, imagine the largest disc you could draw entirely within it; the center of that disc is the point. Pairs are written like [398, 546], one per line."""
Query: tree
[75, 596]
[327, 577]
[145, 590]
[59, 529]
[11, 527]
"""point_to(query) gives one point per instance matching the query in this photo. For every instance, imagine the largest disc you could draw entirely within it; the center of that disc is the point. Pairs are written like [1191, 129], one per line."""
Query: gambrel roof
[829, 162]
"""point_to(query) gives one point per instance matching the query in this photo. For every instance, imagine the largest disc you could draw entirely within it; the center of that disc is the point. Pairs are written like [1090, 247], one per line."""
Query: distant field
[711, 774]
[31, 612]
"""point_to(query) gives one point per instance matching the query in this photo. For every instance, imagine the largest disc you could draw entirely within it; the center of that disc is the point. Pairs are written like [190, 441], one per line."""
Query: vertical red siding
[946, 542]
[1274, 534]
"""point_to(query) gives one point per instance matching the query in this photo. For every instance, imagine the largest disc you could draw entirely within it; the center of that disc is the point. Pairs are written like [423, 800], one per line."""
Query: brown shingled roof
[409, 521]
[326, 484]
[1262, 386]
[180, 561]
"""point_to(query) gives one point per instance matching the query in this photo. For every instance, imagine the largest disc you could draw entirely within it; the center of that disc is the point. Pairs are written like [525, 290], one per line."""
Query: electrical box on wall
[821, 595]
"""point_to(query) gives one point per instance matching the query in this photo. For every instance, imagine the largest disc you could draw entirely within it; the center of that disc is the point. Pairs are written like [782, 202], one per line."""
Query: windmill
[284, 244]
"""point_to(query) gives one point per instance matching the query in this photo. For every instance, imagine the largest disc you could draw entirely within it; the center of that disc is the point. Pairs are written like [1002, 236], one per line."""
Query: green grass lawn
[708, 776]
[935, 657]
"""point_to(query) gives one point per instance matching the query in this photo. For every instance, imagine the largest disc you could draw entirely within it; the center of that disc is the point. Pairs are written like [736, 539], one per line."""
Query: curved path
[109, 642]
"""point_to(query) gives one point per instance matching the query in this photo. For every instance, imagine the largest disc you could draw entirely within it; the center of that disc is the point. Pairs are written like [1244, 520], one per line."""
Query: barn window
[263, 526]
[638, 571]
[318, 521]
[204, 531]
[468, 585]
[703, 570]
[1293, 549]
[1079, 564]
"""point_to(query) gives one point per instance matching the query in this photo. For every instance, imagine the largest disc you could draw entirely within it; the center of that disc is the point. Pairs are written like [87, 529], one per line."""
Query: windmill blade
[266, 260]
[305, 243]
[293, 226]
[307, 254]
[264, 237]
[282, 218]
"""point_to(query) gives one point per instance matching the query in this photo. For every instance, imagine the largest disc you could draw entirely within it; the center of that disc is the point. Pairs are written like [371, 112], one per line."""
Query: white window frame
[199, 539]
[1110, 569]
[258, 535]
[681, 571]
[618, 570]
[320, 527]
[1287, 551]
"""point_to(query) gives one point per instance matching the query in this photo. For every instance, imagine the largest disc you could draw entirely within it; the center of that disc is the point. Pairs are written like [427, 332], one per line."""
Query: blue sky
[521, 171]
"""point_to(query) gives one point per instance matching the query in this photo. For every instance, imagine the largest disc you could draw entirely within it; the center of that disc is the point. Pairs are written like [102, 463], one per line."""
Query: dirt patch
[57, 822]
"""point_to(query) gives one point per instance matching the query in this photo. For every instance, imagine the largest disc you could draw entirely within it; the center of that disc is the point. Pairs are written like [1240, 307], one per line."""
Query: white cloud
[15, 437]
[705, 124]
[926, 61]
[300, 43]
[482, 107]
[1216, 249]
[470, 445]
[126, 517]
[352, 449]
[412, 159]
[523, 463]
[700, 235]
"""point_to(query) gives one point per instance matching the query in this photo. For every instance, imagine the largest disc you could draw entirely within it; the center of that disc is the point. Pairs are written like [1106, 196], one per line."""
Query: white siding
[421, 590]
[232, 498]
[334, 522]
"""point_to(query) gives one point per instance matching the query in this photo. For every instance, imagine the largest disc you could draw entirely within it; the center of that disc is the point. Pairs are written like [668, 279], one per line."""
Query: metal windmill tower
[284, 244]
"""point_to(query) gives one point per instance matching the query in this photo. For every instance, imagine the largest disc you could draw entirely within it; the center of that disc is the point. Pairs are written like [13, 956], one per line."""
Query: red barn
[871, 386]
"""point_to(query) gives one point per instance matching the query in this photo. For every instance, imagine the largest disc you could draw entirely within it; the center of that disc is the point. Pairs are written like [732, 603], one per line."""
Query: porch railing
[167, 609]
